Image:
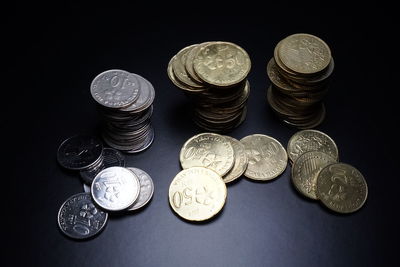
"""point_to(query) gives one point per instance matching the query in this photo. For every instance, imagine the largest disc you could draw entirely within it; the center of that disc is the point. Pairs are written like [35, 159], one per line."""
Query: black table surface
[262, 224]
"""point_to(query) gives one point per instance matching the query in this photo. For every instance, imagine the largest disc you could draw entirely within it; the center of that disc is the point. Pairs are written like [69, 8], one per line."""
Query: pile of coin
[210, 160]
[125, 101]
[317, 174]
[299, 73]
[108, 186]
[213, 75]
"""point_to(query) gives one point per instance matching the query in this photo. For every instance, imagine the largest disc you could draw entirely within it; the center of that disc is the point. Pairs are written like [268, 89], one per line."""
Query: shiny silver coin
[146, 96]
[146, 188]
[111, 157]
[146, 143]
[80, 152]
[115, 188]
[79, 218]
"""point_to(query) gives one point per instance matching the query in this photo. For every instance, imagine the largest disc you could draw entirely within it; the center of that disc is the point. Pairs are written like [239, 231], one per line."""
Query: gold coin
[178, 83]
[305, 171]
[189, 63]
[208, 150]
[221, 63]
[197, 194]
[240, 164]
[304, 53]
[341, 188]
[266, 155]
[311, 140]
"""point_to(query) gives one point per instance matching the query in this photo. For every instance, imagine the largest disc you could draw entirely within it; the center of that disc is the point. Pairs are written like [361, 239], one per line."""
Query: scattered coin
[240, 164]
[197, 194]
[79, 218]
[146, 189]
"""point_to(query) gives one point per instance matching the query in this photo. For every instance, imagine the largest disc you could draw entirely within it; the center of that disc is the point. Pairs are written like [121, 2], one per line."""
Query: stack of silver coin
[126, 105]
[108, 186]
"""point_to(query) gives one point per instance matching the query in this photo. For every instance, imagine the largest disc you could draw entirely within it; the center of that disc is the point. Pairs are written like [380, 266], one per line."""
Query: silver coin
[79, 152]
[115, 188]
[111, 157]
[146, 188]
[146, 144]
[115, 88]
[146, 96]
[86, 188]
[79, 218]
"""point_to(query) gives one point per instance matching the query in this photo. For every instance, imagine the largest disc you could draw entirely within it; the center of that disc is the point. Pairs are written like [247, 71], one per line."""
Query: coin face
[115, 188]
[266, 155]
[79, 218]
[79, 152]
[341, 188]
[208, 150]
[304, 53]
[311, 140]
[221, 63]
[240, 163]
[146, 188]
[197, 194]
[115, 88]
[306, 169]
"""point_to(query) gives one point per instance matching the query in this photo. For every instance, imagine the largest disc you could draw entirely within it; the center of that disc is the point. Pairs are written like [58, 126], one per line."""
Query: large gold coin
[304, 53]
[341, 188]
[208, 150]
[266, 155]
[311, 140]
[197, 194]
[221, 63]
[306, 169]
[240, 165]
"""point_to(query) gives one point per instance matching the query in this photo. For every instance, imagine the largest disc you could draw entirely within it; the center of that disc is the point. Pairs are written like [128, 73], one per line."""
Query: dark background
[56, 51]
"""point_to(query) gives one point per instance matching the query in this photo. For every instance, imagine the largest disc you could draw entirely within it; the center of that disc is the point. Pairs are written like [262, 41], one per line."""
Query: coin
[178, 67]
[304, 53]
[79, 218]
[240, 165]
[341, 188]
[311, 140]
[115, 88]
[208, 150]
[115, 188]
[146, 188]
[221, 63]
[86, 188]
[189, 62]
[305, 171]
[79, 152]
[197, 194]
[267, 158]
[145, 98]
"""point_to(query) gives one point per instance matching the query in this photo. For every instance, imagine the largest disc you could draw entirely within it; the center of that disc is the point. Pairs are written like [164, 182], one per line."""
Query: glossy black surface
[55, 55]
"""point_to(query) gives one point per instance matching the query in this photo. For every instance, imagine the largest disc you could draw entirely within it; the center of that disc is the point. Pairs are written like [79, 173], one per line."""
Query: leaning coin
[115, 188]
[240, 165]
[305, 171]
[341, 188]
[146, 188]
[208, 150]
[79, 152]
[266, 155]
[197, 194]
[79, 218]
[311, 140]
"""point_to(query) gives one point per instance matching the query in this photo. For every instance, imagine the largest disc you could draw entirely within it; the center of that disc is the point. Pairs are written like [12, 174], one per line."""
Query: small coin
[341, 188]
[79, 218]
[189, 63]
[305, 171]
[115, 88]
[240, 164]
[146, 188]
[208, 150]
[146, 96]
[115, 188]
[221, 63]
[178, 67]
[197, 194]
[266, 155]
[79, 152]
[311, 140]
[178, 83]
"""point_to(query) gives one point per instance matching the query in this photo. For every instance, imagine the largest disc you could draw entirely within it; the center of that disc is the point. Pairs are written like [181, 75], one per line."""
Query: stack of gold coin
[299, 73]
[213, 75]
[316, 173]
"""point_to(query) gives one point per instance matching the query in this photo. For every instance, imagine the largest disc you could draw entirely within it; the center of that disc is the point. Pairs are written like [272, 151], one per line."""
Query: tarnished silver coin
[115, 188]
[79, 152]
[115, 88]
[146, 188]
[79, 218]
